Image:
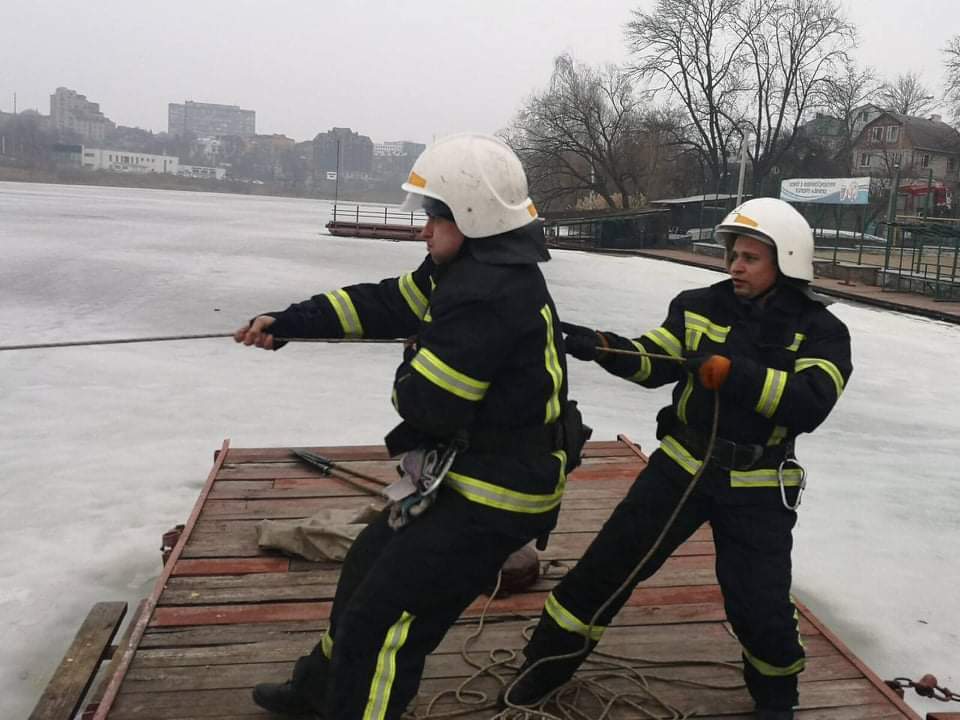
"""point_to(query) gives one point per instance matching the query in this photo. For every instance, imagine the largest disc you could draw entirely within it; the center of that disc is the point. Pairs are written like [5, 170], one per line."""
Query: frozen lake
[104, 448]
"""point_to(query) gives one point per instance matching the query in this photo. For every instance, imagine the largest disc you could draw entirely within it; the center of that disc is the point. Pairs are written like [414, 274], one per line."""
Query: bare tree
[693, 51]
[841, 95]
[906, 95]
[738, 67]
[793, 55]
[952, 67]
[586, 133]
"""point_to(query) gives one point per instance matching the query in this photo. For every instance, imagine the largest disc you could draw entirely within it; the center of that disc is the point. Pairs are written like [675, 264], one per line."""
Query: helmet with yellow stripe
[776, 223]
[479, 178]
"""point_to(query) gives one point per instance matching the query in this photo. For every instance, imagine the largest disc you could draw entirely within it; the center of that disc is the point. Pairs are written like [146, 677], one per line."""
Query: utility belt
[728, 454]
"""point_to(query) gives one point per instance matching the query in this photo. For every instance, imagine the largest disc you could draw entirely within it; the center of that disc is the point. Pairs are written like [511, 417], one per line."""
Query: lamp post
[891, 214]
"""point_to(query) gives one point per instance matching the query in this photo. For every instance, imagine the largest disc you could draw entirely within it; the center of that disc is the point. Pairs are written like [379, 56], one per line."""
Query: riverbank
[160, 181]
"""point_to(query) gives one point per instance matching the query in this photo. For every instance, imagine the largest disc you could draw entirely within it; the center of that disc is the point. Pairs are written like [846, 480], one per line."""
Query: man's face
[753, 267]
[443, 239]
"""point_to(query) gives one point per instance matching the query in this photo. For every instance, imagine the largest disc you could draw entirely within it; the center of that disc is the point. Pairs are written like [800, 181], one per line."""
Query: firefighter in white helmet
[778, 360]
[481, 393]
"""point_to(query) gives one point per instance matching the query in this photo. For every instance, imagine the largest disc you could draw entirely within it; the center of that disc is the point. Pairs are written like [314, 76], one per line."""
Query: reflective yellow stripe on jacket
[442, 375]
[666, 340]
[552, 363]
[346, 312]
[696, 326]
[761, 477]
[501, 498]
[386, 670]
[828, 367]
[416, 300]
[773, 386]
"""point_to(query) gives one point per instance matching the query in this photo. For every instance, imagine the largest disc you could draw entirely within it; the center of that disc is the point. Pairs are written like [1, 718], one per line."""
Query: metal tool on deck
[332, 469]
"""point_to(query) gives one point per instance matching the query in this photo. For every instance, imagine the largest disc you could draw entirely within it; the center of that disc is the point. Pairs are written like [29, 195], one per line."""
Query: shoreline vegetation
[158, 181]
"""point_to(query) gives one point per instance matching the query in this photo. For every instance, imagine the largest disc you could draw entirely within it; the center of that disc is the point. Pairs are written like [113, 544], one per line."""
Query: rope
[172, 338]
[621, 669]
[641, 353]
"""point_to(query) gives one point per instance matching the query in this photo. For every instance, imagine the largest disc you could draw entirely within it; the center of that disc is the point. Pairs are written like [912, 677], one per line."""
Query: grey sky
[392, 70]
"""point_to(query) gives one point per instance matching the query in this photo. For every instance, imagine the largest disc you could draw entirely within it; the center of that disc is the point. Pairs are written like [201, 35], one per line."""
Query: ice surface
[104, 448]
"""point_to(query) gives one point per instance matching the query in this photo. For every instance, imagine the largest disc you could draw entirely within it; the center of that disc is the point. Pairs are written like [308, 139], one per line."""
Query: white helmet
[479, 178]
[777, 223]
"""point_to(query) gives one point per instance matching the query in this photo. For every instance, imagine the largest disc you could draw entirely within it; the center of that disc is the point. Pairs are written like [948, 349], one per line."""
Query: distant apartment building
[72, 112]
[210, 119]
[355, 152]
[392, 161]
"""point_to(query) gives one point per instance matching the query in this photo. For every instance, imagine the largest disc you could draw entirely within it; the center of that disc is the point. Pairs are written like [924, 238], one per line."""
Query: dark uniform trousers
[399, 592]
[753, 544]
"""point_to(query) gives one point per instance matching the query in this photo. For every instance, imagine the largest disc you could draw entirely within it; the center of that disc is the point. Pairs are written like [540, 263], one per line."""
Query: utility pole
[336, 189]
[891, 214]
[743, 168]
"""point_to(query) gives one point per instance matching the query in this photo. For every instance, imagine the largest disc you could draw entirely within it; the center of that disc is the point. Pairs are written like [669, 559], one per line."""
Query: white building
[127, 161]
[137, 162]
[200, 171]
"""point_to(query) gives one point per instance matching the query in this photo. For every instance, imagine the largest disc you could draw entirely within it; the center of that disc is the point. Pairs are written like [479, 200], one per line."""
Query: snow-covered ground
[104, 448]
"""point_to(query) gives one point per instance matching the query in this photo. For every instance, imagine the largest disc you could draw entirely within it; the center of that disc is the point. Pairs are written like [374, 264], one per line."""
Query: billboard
[832, 191]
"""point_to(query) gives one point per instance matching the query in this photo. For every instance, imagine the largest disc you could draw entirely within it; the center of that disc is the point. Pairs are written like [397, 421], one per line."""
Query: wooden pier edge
[874, 679]
[113, 685]
[72, 679]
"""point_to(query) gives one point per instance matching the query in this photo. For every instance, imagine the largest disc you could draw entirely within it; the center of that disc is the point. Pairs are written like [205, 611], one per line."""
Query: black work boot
[282, 699]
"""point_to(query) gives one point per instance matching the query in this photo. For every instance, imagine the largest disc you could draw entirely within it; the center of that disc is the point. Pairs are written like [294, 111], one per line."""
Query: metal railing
[908, 257]
[377, 215]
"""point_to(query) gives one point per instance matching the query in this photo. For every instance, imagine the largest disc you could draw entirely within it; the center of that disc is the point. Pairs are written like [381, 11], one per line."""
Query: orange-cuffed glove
[712, 370]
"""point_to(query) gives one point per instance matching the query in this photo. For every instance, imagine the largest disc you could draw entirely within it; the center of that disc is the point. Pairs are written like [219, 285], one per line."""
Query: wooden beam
[74, 675]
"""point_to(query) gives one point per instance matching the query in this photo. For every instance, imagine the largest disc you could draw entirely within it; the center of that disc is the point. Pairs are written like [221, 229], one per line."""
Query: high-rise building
[210, 119]
[70, 111]
[355, 154]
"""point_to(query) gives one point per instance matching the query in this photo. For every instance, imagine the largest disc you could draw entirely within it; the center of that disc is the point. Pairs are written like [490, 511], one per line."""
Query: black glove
[580, 341]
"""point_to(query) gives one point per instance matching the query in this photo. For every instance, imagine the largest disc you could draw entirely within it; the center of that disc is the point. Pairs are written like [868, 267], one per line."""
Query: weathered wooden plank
[197, 635]
[230, 614]
[267, 587]
[346, 453]
[62, 697]
[182, 679]
[284, 650]
[231, 566]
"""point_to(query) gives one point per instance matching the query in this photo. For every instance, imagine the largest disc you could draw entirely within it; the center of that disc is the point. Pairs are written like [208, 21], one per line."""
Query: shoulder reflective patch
[679, 454]
[386, 670]
[346, 312]
[326, 645]
[416, 300]
[832, 371]
[552, 363]
[773, 386]
[570, 622]
[764, 477]
[798, 338]
[500, 498]
[666, 340]
[646, 367]
[442, 375]
[696, 326]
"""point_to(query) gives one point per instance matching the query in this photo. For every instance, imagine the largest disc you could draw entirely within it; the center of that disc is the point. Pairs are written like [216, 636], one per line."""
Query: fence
[369, 215]
[911, 256]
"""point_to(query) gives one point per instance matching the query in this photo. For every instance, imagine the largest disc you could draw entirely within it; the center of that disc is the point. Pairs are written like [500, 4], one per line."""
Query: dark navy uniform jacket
[488, 358]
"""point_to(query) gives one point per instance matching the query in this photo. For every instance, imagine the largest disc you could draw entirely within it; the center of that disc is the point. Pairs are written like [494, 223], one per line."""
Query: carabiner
[783, 488]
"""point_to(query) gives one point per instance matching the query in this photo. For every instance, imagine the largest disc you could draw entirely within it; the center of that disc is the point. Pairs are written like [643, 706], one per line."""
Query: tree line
[704, 77]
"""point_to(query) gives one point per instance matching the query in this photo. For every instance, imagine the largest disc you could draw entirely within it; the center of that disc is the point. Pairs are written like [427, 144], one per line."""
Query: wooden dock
[226, 615]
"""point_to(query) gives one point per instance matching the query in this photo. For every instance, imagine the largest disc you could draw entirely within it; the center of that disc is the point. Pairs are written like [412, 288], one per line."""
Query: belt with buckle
[727, 454]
